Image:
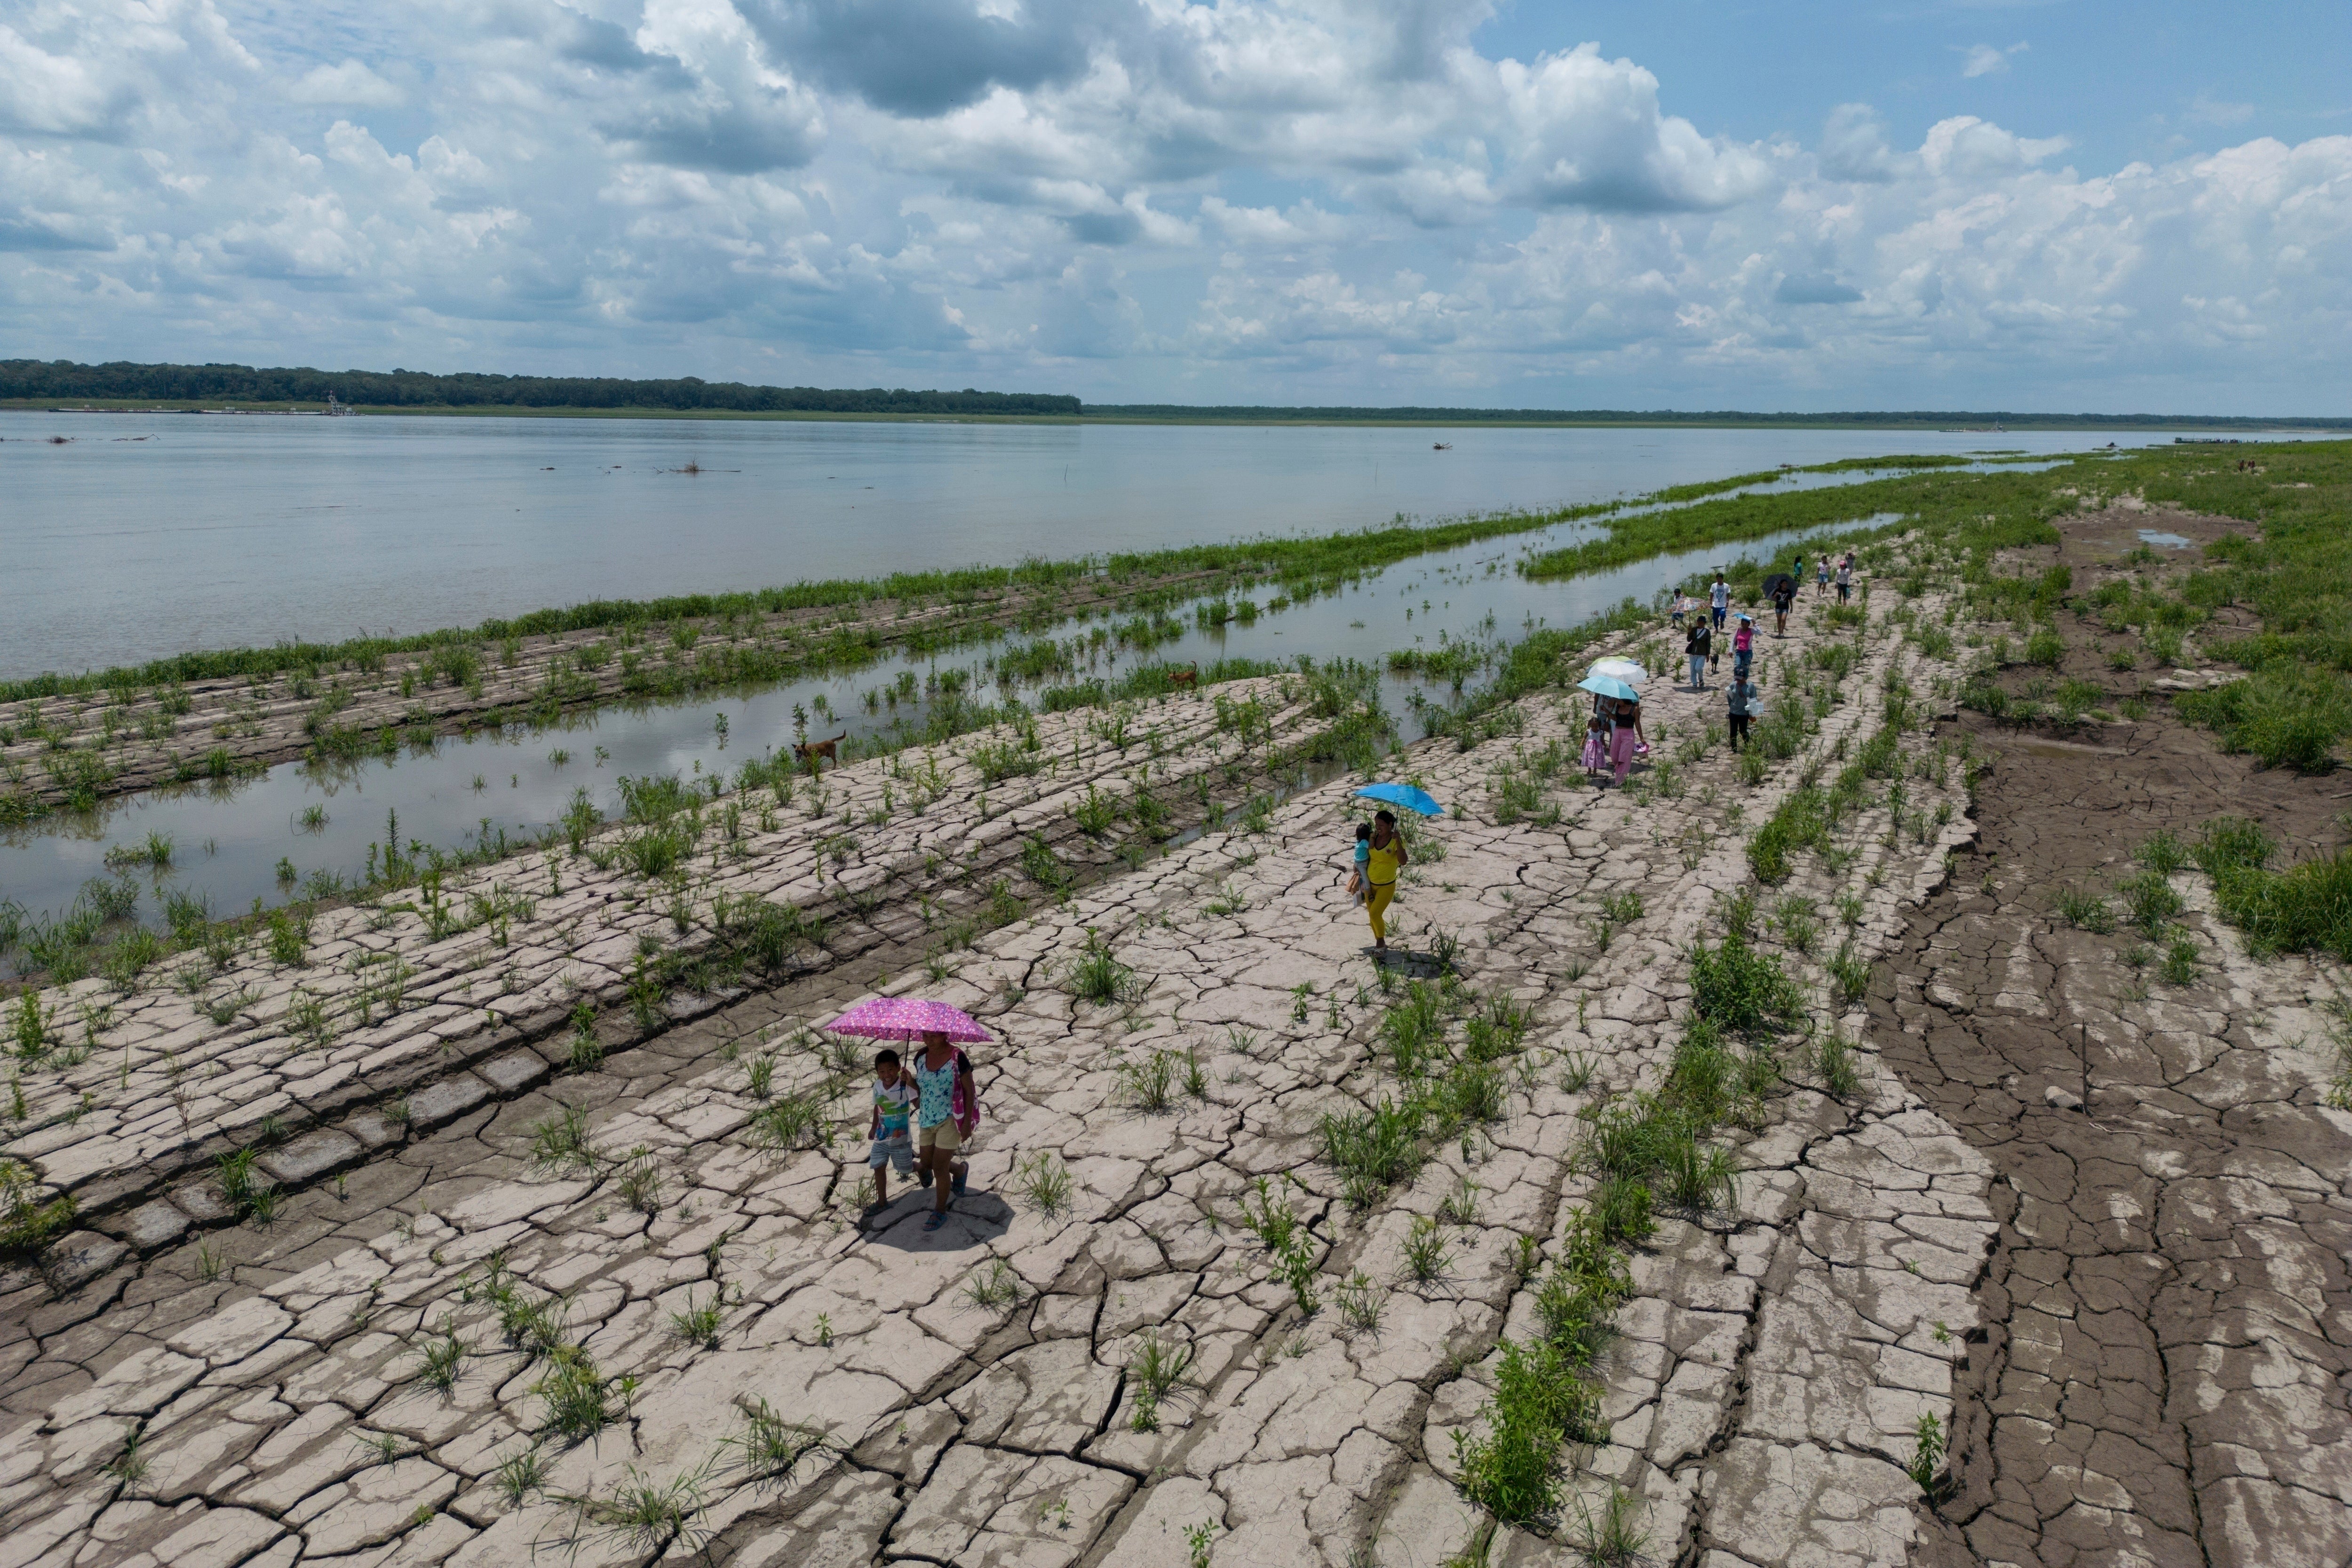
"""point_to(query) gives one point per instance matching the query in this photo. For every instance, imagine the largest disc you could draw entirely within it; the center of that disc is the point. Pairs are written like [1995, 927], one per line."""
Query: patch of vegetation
[2306, 908]
[1096, 974]
[1656, 1144]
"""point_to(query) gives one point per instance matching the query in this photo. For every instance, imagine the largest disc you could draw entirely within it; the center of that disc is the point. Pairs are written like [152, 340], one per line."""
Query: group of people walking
[1704, 635]
[1614, 734]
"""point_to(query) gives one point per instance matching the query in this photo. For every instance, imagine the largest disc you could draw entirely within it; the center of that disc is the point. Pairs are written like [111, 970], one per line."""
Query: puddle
[2162, 540]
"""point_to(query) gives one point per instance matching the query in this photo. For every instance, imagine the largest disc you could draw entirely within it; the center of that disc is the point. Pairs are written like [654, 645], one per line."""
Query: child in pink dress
[1622, 738]
[1596, 745]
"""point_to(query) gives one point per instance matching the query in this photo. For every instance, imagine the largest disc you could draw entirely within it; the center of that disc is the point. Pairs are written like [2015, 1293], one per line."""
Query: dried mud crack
[1162, 1322]
[2169, 1345]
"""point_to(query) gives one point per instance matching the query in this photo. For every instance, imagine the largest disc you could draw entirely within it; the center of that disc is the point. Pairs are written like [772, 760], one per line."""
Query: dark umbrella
[1776, 582]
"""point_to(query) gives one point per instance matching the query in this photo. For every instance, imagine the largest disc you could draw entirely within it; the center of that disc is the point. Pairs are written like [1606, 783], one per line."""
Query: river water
[231, 843]
[145, 535]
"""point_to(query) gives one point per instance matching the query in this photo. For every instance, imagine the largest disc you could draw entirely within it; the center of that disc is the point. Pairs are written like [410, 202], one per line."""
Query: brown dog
[1189, 677]
[815, 749]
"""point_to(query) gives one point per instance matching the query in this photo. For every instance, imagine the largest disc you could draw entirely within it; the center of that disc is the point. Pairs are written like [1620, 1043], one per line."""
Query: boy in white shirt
[891, 1127]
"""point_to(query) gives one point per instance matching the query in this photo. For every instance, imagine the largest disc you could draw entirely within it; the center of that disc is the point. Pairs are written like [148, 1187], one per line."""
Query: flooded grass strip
[67, 741]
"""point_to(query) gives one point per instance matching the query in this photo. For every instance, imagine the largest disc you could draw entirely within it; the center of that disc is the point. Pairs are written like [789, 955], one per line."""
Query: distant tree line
[1253, 414]
[64, 381]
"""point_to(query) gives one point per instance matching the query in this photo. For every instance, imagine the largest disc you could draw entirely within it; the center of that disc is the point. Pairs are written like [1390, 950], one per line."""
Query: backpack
[962, 1108]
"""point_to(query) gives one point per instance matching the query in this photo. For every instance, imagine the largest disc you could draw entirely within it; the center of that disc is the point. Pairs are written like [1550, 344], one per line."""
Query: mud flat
[2168, 1297]
[971, 1413]
[1272, 1254]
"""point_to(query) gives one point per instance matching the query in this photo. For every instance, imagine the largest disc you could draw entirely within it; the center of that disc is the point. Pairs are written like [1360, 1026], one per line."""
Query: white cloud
[350, 83]
[2206, 109]
[1983, 60]
[1259, 200]
[1854, 146]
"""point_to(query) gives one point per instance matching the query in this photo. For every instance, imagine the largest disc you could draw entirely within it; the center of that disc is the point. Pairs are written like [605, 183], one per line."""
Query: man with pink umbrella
[947, 1106]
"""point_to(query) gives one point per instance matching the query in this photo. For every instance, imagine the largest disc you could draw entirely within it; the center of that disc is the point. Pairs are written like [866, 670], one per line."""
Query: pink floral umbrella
[907, 1018]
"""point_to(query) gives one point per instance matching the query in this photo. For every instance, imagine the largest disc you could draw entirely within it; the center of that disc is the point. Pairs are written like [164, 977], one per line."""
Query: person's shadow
[973, 1220]
[1405, 962]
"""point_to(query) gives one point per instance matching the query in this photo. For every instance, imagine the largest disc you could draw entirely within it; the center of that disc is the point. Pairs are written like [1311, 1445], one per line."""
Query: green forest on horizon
[52, 382]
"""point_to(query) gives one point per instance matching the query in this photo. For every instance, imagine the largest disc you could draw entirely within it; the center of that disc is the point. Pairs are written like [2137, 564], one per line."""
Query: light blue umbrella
[1607, 686]
[1404, 795]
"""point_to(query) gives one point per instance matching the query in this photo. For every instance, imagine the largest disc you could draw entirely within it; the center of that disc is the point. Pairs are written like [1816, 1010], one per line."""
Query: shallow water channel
[236, 841]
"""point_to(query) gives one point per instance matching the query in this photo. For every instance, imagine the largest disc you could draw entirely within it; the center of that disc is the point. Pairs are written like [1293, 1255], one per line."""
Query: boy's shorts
[897, 1152]
[946, 1136]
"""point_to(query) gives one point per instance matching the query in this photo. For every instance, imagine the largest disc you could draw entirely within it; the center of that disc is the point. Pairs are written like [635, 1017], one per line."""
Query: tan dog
[1189, 678]
[809, 753]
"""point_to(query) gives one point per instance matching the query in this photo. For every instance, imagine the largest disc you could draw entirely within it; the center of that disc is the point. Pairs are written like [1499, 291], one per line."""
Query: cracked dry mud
[1763, 1389]
[372, 1030]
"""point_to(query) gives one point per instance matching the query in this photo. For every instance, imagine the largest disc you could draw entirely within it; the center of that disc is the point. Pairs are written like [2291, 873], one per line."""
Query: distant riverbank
[1373, 419]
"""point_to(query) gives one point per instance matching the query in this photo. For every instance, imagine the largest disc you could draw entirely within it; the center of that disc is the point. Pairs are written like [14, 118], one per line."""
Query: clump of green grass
[1611, 1536]
[1849, 974]
[1620, 1211]
[578, 1399]
[995, 1287]
[643, 1517]
[1360, 1304]
[2164, 853]
[1373, 1149]
[2285, 716]
[771, 1447]
[1288, 1240]
[1096, 975]
[1150, 1081]
[1739, 989]
[1834, 1064]
[1159, 1372]
[640, 1182]
[442, 1357]
[560, 1143]
[698, 1323]
[27, 1222]
[2152, 901]
[791, 1121]
[1044, 1181]
[520, 1475]
[1798, 927]
[2306, 908]
[1426, 1256]
[2086, 911]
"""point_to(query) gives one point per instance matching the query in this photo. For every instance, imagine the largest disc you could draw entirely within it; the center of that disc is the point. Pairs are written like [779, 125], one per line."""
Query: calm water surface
[224, 531]
[184, 541]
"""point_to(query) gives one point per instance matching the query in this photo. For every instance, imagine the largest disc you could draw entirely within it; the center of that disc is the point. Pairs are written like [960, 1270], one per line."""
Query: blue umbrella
[1404, 795]
[1607, 686]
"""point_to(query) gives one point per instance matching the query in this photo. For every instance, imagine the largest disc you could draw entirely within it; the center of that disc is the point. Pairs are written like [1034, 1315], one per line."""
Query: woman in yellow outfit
[1381, 874]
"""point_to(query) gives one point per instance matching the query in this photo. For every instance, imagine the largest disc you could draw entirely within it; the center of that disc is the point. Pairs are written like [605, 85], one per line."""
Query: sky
[1998, 203]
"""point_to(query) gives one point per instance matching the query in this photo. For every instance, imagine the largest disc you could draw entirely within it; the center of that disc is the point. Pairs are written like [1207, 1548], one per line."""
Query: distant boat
[1442, 447]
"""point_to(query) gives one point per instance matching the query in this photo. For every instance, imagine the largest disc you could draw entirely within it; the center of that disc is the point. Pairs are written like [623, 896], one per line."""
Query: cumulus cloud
[350, 83]
[1854, 146]
[1589, 132]
[1272, 199]
[1983, 60]
[923, 57]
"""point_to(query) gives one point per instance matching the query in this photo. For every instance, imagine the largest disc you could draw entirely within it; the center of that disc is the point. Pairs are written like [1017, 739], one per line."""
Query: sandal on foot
[957, 1188]
[935, 1219]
